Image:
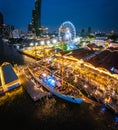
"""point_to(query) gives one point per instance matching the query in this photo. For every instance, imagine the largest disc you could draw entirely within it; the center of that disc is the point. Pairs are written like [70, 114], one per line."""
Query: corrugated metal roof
[9, 74]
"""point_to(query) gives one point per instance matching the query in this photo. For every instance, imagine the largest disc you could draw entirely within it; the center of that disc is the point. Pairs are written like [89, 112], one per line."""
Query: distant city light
[36, 43]
[54, 41]
[48, 42]
[31, 44]
[42, 42]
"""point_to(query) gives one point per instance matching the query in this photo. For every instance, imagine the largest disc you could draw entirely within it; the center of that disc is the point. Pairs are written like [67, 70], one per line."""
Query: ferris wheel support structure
[70, 32]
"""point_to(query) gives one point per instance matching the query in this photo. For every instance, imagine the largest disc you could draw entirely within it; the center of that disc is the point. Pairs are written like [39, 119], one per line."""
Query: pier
[34, 92]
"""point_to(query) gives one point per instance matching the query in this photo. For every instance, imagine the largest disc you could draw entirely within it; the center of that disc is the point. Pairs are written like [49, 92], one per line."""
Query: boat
[9, 77]
[112, 106]
[54, 85]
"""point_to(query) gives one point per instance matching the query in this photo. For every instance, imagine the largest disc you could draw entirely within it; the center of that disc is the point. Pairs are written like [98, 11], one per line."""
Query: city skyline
[100, 15]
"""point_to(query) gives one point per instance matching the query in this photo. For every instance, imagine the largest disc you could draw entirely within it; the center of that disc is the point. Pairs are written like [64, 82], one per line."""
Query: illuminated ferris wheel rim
[70, 26]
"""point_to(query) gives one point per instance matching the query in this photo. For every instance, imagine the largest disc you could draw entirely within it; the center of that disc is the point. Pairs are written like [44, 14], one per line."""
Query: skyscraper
[30, 27]
[89, 30]
[1, 23]
[1, 18]
[36, 17]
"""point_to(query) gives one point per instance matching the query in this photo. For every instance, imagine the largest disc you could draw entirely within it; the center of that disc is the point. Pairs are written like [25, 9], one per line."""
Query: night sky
[100, 15]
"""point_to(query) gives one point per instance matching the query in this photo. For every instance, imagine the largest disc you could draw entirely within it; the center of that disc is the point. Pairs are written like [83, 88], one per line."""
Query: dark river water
[19, 112]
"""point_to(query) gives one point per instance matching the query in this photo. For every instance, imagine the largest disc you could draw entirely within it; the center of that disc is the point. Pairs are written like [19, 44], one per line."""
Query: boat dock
[34, 92]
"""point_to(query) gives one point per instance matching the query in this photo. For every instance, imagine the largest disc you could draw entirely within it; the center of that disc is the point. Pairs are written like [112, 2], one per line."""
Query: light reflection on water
[56, 111]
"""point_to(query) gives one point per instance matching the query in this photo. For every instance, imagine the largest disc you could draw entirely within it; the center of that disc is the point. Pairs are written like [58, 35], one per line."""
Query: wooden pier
[35, 92]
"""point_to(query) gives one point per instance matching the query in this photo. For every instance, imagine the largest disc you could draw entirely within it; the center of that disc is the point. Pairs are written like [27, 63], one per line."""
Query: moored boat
[54, 85]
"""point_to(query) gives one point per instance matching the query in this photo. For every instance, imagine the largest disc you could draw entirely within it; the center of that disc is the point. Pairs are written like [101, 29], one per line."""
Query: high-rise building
[1, 23]
[89, 30]
[83, 33]
[30, 27]
[1, 18]
[36, 17]
[5, 29]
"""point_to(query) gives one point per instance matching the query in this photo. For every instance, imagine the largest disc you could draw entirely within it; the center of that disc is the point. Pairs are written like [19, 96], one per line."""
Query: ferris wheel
[69, 32]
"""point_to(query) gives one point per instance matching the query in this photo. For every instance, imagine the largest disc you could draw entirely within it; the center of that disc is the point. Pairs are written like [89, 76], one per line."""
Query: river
[18, 111]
